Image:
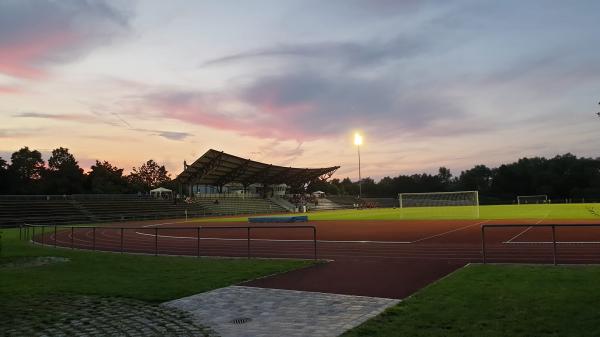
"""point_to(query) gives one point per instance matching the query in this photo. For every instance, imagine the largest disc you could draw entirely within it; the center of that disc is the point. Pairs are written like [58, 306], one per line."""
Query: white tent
[318, 194]
[160, 192]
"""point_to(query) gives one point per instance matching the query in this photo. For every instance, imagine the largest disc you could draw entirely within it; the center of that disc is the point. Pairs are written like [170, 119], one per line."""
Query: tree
[3, 176]
[478, 178]
[445, 177]
[105, 178]
[64, 176]
[26, 171]
[148, 176]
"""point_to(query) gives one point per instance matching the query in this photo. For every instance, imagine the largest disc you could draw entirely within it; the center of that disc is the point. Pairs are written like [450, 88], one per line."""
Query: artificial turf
[485, 212]
[507, 300]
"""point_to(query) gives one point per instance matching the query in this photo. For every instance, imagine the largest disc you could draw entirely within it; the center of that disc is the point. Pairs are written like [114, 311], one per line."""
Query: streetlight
[358, 139]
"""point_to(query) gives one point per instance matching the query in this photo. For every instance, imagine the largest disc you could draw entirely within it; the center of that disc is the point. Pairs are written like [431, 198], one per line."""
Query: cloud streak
[347, 54]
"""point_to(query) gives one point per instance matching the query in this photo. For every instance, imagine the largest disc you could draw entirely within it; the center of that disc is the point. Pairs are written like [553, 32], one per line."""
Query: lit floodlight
[358, 139]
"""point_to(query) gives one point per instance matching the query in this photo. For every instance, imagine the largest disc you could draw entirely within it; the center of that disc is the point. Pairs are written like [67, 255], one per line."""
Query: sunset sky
[428, 83]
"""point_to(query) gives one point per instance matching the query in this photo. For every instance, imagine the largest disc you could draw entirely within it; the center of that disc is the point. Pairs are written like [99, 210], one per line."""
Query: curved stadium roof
[218, 168]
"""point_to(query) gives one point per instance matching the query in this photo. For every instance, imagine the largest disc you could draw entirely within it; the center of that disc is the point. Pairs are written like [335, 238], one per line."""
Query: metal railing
[552, 226]
[28, 232]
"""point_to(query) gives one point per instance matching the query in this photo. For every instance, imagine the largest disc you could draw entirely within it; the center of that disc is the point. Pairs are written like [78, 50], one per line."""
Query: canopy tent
[160, 192]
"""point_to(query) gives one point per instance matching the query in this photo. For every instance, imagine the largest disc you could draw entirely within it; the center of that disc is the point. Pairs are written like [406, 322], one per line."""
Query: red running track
[372, 258]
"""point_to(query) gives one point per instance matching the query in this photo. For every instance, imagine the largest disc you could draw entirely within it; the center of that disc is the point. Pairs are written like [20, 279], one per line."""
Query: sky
[427, 83]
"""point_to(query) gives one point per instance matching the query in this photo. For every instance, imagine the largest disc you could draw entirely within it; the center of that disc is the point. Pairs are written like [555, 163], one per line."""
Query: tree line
[27, 173]
[563, 176]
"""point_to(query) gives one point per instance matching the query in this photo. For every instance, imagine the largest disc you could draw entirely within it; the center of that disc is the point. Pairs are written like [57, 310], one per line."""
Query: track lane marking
[450, 231]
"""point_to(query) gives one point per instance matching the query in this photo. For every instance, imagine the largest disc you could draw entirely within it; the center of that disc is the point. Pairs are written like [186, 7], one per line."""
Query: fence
[28, 232]
[552, 226]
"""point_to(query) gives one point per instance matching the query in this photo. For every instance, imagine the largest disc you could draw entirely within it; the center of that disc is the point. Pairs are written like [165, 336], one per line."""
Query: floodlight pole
[359, 177]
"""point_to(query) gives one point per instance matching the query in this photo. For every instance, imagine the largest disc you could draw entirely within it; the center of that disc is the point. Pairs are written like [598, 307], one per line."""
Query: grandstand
[226, 184]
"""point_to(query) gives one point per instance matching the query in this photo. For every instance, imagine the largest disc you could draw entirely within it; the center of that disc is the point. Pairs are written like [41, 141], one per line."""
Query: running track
[372, 258]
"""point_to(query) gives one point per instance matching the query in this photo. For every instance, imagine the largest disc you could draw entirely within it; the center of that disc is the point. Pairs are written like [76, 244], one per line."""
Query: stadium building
[220, 173]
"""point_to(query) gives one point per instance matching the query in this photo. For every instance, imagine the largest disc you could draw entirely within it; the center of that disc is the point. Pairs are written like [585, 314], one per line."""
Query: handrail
[553, 226]
[26, 234]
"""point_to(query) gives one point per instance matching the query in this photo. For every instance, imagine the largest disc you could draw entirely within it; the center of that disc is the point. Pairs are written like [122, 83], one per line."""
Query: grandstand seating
[14, 212]
[238, 205]
[328, 204]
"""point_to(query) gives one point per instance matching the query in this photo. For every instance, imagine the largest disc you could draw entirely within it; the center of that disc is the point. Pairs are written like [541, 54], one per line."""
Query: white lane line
[520, 233]
[450, 231]
[274, 240]
[320, 241]
[526, 229]
[550, 242]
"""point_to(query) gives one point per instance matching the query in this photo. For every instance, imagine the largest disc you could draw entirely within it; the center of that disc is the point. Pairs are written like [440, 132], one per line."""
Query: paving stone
[277, 312]
[92, 316]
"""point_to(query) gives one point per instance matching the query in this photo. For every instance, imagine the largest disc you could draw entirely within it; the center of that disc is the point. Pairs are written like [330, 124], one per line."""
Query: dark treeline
[27, 173]
[564, 176]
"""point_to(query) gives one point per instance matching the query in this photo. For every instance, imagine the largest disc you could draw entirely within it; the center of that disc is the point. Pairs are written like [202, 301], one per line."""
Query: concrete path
[247, 311]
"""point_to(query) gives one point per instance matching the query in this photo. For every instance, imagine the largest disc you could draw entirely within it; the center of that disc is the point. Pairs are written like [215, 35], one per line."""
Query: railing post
[121, 240]
[554, 243]
[483, 243]
[155, 241]
[54, 236]
[315, 241]
[248, 236]
[198, 241]
[43, 229]
[20, 232]
[72, 236]
[33, 234]
[93, 238]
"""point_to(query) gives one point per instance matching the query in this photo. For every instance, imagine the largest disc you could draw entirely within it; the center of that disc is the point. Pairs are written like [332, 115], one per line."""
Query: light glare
[357, 139]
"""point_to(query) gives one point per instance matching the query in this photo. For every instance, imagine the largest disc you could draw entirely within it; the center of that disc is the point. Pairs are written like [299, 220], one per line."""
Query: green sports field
[488, 212]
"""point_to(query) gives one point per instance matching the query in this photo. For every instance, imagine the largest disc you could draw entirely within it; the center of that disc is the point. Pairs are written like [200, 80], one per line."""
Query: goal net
[532, 199]
[463, 203]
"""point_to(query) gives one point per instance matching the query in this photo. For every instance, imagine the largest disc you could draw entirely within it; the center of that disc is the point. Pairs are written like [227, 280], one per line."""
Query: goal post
[469, 199]
[532, 199]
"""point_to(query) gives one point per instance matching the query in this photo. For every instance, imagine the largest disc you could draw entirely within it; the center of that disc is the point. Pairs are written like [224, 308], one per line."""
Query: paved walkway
[260, 312]
[89, 316]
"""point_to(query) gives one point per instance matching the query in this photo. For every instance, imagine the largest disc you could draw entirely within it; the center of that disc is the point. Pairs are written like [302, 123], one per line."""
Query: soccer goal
[532, 199]
[468, 199]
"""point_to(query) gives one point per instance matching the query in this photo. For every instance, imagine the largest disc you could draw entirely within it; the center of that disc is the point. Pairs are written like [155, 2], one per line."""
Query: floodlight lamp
[358, 139]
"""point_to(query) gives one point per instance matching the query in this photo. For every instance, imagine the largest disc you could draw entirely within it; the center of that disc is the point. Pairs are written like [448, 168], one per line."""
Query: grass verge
[25, 287]
[507, 300]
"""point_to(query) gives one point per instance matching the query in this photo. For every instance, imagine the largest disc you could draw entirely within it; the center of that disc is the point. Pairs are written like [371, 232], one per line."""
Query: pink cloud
[23, 59]
[272, 120]
[9, 90]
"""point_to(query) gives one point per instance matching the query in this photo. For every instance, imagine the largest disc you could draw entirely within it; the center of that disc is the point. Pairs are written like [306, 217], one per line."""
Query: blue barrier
[279, 219]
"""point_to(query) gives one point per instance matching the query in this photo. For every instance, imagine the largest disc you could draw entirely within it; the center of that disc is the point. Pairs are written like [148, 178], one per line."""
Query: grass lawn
[498, 301]
[486, 212]
[25, 289]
